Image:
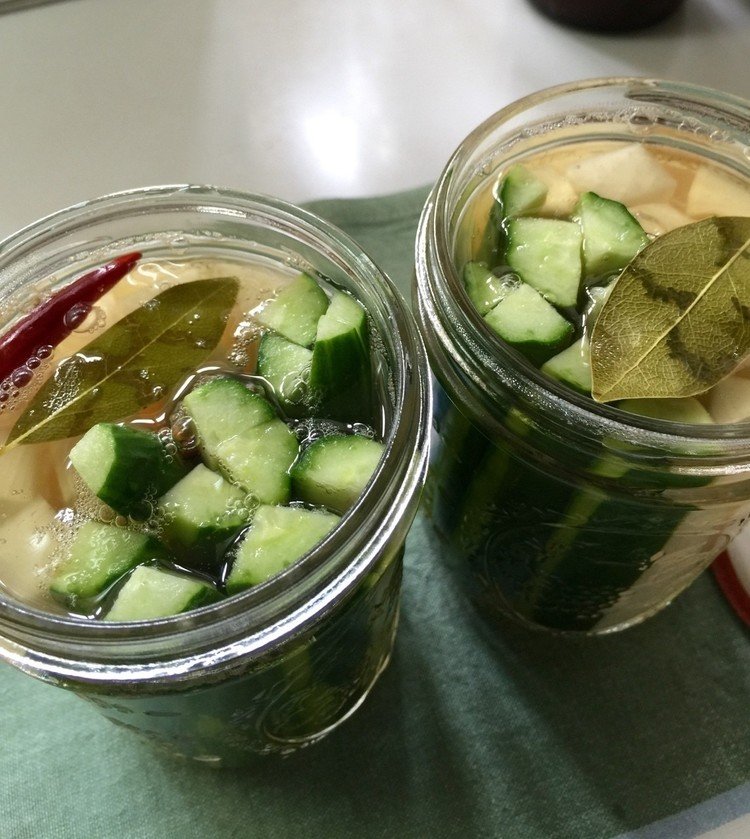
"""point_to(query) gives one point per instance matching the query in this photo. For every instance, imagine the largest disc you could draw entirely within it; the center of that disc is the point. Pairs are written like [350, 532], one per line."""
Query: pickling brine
[154, 505]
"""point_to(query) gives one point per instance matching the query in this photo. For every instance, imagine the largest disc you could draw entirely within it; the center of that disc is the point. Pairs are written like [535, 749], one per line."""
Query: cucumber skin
[533, 541]
[144, 471]
[341, 377]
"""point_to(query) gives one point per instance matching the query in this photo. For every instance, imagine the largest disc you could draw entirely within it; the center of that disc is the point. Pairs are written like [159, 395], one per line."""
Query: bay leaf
[678, 318]
[115, 375]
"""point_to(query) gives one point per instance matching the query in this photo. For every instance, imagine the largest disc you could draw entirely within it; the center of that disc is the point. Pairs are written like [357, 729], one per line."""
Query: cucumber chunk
[259, 460]
[278, 537]
[529, 323]
[125, 467]
[341, 372]
[100, 555]
[491, 243]
[520, 192]
[485, 289]
[222, 408]
[201, 514]
[150, 593]
[546, 254]
[296, 309]
[334, 471]
[572, 366]
[286, 367]
[611, 235]
[685, 409]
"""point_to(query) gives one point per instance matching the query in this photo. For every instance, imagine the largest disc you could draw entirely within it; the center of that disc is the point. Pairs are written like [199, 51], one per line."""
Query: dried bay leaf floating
[116, 375]
[678, 318]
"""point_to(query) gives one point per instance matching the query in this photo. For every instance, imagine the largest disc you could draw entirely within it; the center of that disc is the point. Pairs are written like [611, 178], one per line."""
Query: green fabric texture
[470, 732]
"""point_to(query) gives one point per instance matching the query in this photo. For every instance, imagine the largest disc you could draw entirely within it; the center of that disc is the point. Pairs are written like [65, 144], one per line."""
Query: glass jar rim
[249, 623]
[485, 359]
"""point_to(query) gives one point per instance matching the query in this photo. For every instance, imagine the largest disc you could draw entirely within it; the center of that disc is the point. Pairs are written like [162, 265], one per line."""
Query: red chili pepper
[52, 321]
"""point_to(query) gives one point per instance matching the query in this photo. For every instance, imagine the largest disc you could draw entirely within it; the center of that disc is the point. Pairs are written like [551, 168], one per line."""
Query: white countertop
[301, 100]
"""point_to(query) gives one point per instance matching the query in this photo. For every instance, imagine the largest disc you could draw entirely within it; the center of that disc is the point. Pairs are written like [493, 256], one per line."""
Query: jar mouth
[483, 357]
[286, 604]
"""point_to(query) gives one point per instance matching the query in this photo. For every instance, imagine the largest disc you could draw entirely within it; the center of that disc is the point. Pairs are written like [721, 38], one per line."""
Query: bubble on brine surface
[76, 315]
[21, 376]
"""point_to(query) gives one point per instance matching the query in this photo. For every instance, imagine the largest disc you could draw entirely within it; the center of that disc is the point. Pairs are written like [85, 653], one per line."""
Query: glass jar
[566, 514]
[282, 664]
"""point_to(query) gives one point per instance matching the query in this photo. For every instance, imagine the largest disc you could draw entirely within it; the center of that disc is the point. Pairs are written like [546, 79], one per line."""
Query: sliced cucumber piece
[528, 322]
[611, 235]
[546, 253]
[259, 460]
[222, 408]
[100, 555]
[278, 537]
[286, 367]
[572, 366]
[150, 593]
[295, 310]
[685, 409]
[485, 289]
[201, 514]
[520, 192]
[125, 467]
[341, 371]
[491, 243]
[333, 471]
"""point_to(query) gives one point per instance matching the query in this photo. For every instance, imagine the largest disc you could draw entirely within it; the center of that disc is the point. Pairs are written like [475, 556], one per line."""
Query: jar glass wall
[277, 666]
[564, 513]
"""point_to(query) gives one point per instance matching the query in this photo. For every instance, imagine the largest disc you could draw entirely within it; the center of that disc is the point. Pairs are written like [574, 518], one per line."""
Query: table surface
[302, 100]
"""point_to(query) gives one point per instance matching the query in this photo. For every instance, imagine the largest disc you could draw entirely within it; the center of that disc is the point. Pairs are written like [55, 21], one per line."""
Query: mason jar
[567, 514]
[280, 665]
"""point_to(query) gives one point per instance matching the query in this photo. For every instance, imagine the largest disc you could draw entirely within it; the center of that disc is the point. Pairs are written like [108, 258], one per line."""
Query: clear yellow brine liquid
[663, 187]
[42, 500]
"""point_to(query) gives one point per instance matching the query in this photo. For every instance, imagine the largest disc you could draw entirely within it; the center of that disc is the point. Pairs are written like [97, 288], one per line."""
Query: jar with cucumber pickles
[214, 413]
[582, 284]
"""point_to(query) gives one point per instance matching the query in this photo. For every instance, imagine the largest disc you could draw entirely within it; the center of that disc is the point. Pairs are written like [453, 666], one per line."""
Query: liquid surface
[663, 188]
[43, 501]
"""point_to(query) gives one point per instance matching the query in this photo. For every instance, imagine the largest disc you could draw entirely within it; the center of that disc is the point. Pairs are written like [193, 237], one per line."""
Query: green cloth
[468, 733]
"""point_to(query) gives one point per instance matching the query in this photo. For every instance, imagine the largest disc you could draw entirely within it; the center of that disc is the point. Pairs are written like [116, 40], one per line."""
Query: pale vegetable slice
[729, 400]
[714, 193]
[658, 218]
[630, 174]
[688, 410]
[561, 196]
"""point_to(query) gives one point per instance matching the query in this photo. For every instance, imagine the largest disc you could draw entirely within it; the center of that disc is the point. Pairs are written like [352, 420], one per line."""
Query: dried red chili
[35, 335]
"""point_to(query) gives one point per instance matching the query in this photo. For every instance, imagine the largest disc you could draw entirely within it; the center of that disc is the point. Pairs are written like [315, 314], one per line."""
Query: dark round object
[608, 15]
